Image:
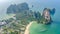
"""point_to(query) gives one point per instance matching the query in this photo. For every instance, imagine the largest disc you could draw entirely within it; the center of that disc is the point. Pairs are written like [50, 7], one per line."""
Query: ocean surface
[54, 27]
[38, 5]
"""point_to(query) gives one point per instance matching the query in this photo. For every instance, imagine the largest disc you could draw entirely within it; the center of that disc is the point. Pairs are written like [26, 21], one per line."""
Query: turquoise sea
[45, 29]
[38, 5]
[54, 27]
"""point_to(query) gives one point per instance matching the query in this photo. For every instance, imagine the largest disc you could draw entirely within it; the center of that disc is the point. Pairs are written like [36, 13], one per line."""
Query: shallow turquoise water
[54, 27]
[45, 29]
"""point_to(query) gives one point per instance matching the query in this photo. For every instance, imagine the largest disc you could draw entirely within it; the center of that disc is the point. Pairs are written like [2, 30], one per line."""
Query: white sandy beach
[27, 28]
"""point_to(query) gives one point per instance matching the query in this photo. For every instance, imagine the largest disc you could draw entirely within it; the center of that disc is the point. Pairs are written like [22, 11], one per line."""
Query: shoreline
[27, 28]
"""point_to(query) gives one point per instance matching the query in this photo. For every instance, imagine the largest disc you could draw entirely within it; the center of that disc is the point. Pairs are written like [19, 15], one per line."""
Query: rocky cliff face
[17, 8]
[46, 15]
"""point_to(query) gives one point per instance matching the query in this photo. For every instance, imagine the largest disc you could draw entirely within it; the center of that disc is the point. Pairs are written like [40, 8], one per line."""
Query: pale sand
[27, 28]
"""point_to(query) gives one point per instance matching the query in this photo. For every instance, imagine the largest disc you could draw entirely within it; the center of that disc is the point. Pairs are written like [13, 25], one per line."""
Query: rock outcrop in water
[46, 15]
[52, 12]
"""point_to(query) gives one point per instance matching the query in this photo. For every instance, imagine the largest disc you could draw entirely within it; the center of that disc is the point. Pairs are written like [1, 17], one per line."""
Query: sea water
[54, 27]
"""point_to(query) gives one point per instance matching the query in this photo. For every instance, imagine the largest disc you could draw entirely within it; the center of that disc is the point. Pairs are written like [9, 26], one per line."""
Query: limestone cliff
[46, 15]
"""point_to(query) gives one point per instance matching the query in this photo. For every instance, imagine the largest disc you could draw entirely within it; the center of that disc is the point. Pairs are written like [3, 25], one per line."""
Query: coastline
[27, 28]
